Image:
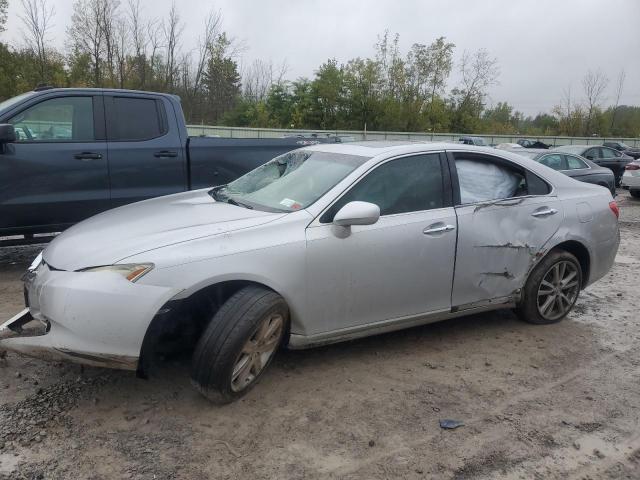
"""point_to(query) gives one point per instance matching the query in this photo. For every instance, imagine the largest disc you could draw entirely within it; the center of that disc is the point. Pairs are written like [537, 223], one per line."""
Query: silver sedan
[319, 245]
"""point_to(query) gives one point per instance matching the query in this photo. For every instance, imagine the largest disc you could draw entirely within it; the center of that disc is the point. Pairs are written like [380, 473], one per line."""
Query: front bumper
[97, 319]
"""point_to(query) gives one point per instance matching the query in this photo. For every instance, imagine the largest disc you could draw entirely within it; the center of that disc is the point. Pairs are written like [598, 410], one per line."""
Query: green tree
[362, 82]
[221, 80]
[327, 89]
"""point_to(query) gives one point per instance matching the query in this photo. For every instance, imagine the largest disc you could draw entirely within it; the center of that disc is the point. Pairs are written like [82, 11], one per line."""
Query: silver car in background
[322, 244]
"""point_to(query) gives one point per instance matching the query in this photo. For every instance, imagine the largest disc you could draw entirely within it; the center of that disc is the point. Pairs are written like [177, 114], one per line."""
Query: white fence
[241, 132]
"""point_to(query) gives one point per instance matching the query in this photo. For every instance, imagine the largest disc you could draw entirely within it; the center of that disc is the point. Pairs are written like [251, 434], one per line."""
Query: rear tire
[552, 289]
[239, 343]
[635, 193]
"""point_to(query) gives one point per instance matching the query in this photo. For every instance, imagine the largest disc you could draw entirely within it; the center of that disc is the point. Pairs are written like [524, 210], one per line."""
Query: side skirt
[298, 342]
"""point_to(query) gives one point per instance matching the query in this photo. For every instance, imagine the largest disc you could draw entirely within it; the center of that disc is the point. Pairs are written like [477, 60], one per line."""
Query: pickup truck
[68, 153]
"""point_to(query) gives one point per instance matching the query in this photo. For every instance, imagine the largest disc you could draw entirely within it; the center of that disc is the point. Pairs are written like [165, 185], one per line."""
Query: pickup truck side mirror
[7, 134]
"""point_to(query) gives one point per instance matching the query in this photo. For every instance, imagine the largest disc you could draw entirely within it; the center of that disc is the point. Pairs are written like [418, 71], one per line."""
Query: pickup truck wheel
[239, 343]
[552, 289]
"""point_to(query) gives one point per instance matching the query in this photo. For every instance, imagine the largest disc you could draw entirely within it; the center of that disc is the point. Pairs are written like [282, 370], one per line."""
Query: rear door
[506, 214]
[56, 173]
[145, 151]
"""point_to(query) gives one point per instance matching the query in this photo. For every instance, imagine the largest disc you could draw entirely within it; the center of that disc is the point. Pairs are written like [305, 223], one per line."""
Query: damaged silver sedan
[323, 244]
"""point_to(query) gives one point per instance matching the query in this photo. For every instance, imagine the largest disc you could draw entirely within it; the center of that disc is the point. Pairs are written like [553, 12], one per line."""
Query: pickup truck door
[146, 157]
[56, 173]
[395, 269]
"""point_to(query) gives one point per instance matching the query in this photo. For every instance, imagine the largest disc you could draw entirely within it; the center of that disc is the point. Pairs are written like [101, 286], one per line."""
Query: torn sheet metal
[498, 244]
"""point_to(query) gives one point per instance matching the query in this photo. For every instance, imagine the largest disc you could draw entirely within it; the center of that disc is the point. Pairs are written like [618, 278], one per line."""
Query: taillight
[614, 208]
[632, 166]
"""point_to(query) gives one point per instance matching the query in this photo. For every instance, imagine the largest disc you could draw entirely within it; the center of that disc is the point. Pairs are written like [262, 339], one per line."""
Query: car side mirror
[357, 213]
[7, 133]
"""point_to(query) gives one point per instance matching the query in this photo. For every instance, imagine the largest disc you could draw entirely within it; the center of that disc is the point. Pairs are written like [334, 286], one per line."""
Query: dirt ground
[541, 402]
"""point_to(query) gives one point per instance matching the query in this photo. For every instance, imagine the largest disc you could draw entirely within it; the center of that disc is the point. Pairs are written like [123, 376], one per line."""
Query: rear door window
[483, 178]
[610, 153]
[555, 161]
[593, 153]
[135, 119]
[574, 163]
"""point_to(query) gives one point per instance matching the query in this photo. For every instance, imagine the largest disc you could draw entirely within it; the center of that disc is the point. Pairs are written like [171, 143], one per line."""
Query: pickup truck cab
[69, 153]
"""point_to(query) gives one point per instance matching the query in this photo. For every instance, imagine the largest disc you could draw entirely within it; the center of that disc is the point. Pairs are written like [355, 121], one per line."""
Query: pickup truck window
[135, 119]
[66, 119]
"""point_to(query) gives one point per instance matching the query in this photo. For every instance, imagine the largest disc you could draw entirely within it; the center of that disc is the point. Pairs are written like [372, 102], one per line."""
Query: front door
[56, 173]
[505, 217]
[400, 266]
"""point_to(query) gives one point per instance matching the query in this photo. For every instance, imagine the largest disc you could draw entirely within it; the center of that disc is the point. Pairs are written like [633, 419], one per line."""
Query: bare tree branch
[37, 19]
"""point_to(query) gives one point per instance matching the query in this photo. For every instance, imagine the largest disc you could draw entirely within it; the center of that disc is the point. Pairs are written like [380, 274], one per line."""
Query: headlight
[131, 271]
[36, 262]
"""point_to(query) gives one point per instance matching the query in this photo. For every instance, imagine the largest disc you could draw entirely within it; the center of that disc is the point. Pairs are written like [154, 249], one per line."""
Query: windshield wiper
[231, 201]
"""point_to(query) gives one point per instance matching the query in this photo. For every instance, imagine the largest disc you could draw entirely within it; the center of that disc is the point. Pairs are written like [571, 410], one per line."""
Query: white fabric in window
[481, 181]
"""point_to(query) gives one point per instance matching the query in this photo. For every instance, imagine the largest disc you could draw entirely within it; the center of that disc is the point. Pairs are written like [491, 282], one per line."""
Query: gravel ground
[544, 402]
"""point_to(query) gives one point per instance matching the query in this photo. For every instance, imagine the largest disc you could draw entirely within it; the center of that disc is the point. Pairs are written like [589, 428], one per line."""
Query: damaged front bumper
[96, 319]
[23, 325]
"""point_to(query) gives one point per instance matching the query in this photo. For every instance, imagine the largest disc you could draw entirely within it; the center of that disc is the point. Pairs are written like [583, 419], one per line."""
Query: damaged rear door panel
[499, 241]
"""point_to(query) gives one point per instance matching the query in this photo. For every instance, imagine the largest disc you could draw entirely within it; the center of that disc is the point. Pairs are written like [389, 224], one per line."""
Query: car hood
[133, 229]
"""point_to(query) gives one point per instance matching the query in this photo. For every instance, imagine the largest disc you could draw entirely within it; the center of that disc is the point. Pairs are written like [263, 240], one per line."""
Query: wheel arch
[178, 324]
[581, 252]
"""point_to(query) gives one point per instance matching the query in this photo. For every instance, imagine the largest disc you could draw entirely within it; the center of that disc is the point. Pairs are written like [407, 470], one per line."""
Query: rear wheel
[552, 289]
[239, 344]
[635, 193]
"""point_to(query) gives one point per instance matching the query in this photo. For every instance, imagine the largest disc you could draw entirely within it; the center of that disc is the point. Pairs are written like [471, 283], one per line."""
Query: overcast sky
[542, 46]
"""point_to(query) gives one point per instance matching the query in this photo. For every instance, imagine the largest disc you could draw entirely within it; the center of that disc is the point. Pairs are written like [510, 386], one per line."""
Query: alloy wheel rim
[558, 290]
[257, 352]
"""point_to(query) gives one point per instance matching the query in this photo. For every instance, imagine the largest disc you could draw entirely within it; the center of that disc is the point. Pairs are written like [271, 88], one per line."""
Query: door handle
[165, 154]
[545, 212]
[87, 156]
[432, 229]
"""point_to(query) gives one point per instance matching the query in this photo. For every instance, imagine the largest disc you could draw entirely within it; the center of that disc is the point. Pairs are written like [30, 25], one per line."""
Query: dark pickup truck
[67, 154]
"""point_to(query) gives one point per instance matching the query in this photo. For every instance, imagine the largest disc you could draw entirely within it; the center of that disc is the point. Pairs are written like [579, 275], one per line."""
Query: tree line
[113, 44]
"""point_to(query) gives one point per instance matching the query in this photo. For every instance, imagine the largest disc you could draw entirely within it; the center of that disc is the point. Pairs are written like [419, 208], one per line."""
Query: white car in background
[631, 178]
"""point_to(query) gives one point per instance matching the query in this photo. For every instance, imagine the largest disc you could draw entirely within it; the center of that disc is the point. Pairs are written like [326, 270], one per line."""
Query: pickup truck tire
[239, 343]
[552, 289]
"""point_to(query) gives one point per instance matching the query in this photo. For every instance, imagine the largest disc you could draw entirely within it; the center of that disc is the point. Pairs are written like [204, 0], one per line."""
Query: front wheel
[552, 289]
[239, 343]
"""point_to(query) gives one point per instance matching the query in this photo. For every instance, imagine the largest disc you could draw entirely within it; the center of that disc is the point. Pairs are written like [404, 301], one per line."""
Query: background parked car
[631, 178]
[478, 141]
[604, 156]
[624, 148]
[575, 167]
[526, 143]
